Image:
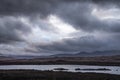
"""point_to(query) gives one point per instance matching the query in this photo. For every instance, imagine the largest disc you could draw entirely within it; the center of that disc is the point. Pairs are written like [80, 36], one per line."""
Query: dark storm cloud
[43, 7]
[74, 12]
[86, 43]
[80, 16]
[15, 8]
[106, 2]
[21, 7]
[9, 28]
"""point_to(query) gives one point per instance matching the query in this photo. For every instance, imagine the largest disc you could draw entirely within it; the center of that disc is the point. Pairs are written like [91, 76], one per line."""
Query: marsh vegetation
[52, 75]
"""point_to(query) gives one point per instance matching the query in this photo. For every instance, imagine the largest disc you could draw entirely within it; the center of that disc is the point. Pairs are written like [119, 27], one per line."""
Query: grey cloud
[74, 12]
[85, 43]
[80, 16]
[9, 28]
[21, 7]
[26, 7]
[106, 2]
[43, 7]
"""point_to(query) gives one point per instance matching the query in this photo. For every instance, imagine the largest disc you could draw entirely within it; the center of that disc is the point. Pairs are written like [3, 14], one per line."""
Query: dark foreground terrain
[102, 60]
[50, 75]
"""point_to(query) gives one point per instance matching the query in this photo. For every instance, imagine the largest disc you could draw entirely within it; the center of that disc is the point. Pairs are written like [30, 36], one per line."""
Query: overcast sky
[42, 27]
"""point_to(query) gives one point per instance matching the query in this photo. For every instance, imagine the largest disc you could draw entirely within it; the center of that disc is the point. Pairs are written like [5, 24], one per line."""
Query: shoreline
[60, 63]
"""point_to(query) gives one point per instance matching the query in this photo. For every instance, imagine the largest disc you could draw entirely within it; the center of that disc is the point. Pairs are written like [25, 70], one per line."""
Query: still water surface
[71, 68]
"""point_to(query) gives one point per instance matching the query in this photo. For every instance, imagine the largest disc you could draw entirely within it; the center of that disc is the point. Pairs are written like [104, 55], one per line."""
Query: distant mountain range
[90, 54]
[80, 54]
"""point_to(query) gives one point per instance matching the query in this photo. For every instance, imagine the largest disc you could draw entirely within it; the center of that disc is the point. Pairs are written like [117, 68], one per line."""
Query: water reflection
[70, 68]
